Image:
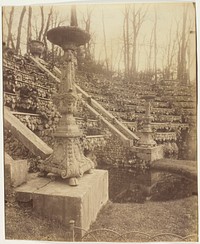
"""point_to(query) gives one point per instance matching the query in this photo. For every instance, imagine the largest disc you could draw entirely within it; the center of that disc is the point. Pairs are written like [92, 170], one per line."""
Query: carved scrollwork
[64, 174]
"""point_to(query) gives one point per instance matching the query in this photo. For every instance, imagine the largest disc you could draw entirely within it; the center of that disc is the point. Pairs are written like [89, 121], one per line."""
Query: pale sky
[167, 13]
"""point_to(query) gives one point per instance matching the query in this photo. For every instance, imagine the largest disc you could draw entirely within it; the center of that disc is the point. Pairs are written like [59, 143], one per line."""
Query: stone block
[19, 172]
[7, 172]
[15, 171]
[150, 153]
[57, 200]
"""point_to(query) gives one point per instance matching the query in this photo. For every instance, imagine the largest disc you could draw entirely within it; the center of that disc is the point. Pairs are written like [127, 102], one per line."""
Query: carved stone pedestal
[67, 159]
[146, 139]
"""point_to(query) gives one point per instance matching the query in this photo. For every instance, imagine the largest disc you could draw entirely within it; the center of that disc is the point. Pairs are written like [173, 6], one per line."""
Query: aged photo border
[31, 2]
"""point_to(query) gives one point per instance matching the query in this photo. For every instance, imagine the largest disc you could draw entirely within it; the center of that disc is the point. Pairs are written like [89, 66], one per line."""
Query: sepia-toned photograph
[100, 121]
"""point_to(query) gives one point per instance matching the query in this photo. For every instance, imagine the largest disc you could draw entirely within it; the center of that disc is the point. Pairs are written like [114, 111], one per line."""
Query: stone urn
[36, 48]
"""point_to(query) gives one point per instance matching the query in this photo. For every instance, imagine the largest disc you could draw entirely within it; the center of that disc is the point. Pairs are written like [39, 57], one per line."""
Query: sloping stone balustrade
[25, 135]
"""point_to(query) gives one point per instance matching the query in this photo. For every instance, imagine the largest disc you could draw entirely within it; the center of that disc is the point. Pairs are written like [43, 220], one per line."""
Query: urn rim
[64, 35]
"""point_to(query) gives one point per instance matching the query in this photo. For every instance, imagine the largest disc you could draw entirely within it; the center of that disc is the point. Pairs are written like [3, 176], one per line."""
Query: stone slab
[57, 200]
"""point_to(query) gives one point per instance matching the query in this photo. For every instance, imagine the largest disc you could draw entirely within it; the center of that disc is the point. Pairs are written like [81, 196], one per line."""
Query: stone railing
[160, 117]
[189, 111]
[174, 126]
[131, 125]
[165, 136]
[167, 118]
[159, 104]
[113, 129]
[32, 121]
[89, 122]
[189, 104]
[157, 110]
[161, 111]
[92, 142]
[10, 99]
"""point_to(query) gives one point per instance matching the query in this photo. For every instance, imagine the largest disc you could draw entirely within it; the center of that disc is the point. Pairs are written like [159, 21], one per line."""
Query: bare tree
[133, 20]
[149, 59]
[20, 29]
[42, 23]
[138, 17]
[45, 32]
[105, 44]
[155, 43]
[181, 69]
[111, 55]
[125, 44]
[55, 22]
[171, 46]
[127, 41]
[29, 27]
[87, 22]
[9, 25]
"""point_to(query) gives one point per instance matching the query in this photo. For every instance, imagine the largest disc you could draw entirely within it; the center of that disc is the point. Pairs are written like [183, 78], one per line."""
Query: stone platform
[57, 200]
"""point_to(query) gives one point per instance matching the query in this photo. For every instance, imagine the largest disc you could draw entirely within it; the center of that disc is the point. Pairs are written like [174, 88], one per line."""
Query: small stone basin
[66, 35]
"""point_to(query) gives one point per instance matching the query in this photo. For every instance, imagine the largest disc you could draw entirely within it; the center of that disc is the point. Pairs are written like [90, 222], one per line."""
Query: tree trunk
[87, 22]
[10, 27]
[125, 51]
[42, 23]
[127, 43]
[133, 68]
[105, 46]
[183, 50]
[138, 17]
[155, 45]
[29, 27]
[150, 51]
[45, 33]
[20, 29]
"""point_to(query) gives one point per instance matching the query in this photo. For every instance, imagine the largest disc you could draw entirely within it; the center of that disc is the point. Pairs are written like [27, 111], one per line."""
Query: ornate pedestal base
[67, 160]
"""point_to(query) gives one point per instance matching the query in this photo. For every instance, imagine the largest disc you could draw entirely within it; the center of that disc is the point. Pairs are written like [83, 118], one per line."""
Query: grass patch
[177, 217]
